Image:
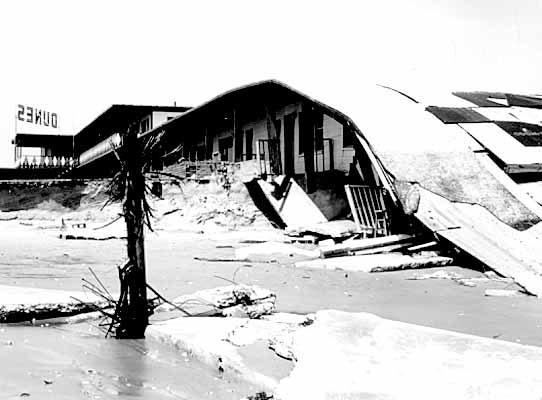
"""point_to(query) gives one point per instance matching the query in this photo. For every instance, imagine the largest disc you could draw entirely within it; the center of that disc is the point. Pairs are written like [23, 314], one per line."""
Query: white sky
[77, 58]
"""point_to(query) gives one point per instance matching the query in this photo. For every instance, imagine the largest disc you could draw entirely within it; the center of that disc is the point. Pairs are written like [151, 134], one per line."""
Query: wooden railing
[368, 209]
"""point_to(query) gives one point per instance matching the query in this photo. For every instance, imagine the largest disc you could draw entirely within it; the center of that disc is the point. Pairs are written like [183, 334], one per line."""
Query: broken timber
[375, 262]
[366, 244]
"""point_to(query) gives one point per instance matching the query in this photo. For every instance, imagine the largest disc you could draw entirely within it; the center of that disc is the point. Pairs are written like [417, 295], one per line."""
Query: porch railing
[32, 161]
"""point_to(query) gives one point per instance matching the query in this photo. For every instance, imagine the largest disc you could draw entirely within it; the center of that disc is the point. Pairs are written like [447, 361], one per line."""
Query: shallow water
[76, 362]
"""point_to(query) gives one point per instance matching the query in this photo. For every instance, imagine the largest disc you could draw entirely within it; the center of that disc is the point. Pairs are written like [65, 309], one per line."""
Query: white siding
[332, 130]
[159, 117]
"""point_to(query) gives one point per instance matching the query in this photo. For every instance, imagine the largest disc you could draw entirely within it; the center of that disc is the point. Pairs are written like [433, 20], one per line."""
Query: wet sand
[37, 258]
[75, 361]
[82, 364]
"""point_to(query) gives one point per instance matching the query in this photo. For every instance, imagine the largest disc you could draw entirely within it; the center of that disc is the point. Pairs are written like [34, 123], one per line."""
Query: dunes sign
[36, 116]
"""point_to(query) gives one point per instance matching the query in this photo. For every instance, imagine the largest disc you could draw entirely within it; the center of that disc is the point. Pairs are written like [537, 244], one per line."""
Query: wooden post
[134, 316]
[306, 130]
[273, 134]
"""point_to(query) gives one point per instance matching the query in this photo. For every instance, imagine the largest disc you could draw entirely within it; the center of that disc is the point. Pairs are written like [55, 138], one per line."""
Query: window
[319, 132]
[145, 125]
[348, 136]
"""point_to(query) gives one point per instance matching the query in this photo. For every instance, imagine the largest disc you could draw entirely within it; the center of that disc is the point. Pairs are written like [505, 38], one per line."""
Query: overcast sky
[78, 58]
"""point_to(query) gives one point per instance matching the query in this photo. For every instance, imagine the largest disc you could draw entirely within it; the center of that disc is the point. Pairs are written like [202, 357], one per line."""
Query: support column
[306, 136]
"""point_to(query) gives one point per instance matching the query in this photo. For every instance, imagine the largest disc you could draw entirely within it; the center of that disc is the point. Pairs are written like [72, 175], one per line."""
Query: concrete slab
[230, 344]
[362, 356]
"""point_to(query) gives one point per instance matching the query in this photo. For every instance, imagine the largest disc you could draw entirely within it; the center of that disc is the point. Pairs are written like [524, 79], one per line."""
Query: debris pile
[336, 245]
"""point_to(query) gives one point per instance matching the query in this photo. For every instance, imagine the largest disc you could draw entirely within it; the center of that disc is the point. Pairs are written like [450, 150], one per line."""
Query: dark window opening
[319, 132]
[348, 136]
[145, 125]
[239, 145]
[224, 147]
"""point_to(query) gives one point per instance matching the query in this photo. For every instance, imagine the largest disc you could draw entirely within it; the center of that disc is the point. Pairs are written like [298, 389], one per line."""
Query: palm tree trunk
[134, 316]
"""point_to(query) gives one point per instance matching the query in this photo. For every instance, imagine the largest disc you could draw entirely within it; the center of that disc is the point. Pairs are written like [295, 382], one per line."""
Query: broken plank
[363, 244]
[383, 249]
[422, 246]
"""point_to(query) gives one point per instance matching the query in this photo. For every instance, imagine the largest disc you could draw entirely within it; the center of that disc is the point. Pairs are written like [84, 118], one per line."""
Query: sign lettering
[36, 116]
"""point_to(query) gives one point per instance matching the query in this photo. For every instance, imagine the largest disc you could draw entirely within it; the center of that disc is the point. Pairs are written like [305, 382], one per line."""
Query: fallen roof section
[477, 232]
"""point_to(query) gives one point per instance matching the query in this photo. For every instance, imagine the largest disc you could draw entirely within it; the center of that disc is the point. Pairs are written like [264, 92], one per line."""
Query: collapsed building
[386, 158]
[465, 168]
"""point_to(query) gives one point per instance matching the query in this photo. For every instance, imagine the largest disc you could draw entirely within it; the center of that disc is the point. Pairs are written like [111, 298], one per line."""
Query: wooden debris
[382, 249]
[305, 239]
[375, 262]
[333, 229]
[365, 244]
[422, 246]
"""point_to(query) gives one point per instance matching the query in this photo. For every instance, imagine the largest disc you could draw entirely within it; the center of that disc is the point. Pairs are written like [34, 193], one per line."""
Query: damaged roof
[440, 172]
